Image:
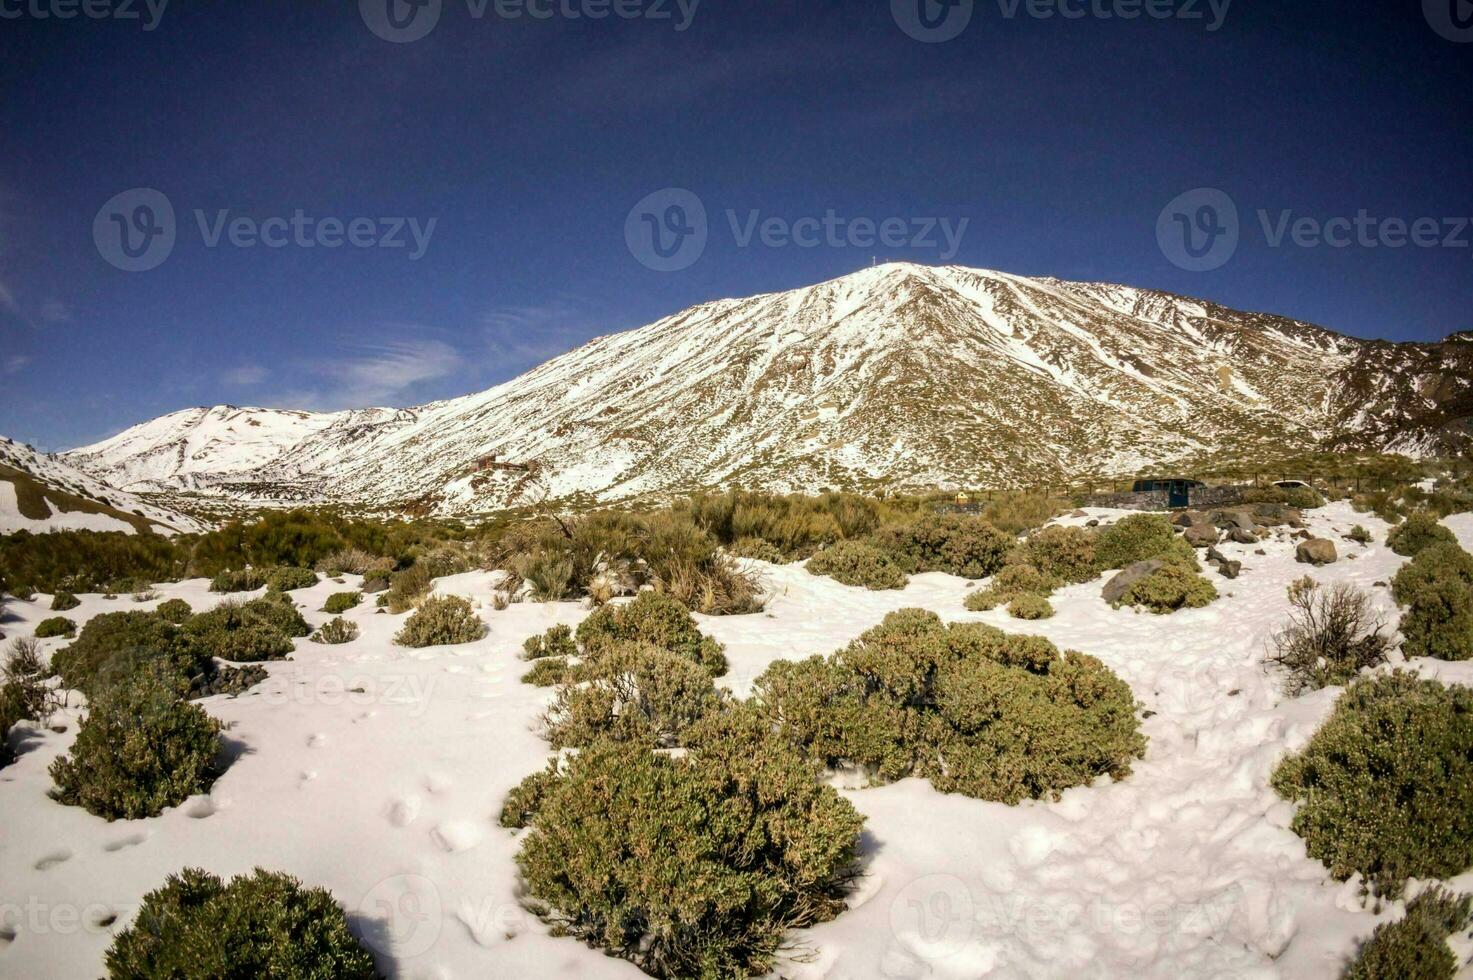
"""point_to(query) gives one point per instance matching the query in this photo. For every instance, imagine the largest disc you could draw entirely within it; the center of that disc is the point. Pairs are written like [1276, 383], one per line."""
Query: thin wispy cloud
[246, 375]
[520, 337]
[374, 375]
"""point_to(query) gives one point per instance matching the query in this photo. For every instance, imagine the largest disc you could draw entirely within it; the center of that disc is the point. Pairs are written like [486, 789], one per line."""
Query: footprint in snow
[402, 810]
[455, 836]
[438, 782]
[53, 859]
[122, 843]
[317, 740]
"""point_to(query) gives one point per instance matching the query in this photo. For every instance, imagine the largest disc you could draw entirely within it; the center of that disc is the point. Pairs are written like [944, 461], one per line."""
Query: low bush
[758, 549]
[857, 563]
[1414, 947]
[1168, 589]
[63, 601]
[1030, 606]
[1436, 590]
[261, 629]
[139, 749]
[527, 797]
[548, 671]
[175, 611]
[241, 580]
[260, 925]
[55, 626]
[113, 645]
[631, 692]
[1140, 537]
[1418, 532]
[352, 561]
[1012, 583]
[1067, 553]
[24, 693]
[1385, 786]
[1016, 513]
[335, 631]
[737, 844]
[341, 602]
[556, 642]
[1331, 636]
[953, 543]
[651, 618]
[289, 578]
[441, 621]
[972, 709]
[1360, 535]
[406, 588]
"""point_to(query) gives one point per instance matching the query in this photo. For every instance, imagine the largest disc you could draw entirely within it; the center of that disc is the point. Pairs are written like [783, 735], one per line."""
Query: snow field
[378, 772]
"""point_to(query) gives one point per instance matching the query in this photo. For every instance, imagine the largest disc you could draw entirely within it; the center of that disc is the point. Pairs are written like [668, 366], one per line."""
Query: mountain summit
[901, 376]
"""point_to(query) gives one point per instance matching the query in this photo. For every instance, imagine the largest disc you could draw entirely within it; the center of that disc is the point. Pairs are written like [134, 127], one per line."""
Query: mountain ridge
[900, 376]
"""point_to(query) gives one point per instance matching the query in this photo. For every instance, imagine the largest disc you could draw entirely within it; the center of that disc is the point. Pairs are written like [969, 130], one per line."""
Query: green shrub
[526, 798]
[548, 573]
[1140, 537]
[241, 580]
[1436, 589]
[1360, 535]
[1016, 513]
[261, 629]
[24, 693]
[1168, 589]
[351, 561]
[288, 578]
[175, 611]
[986, 600]
[1331, 636]
[341, 602]
[1067, 553]
[857, 563]
[113, 645]
[556, 642]
[1385, 786]
[406, 588]
[86, 561]
[1418, 532]
[261, 925]
[1012, 583]
[1030, 606]
[737, 843]
[1414, 947]
[953, 543]
[55, 626]
[631, 692]
[335, 631]
[548, 671]
[63, 601]
[651, 618]
[972, 709]
[139, 749]
[441, 621]
[758, 549]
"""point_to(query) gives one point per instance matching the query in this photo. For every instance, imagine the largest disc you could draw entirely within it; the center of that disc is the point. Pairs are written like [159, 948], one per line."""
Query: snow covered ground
[378, 772]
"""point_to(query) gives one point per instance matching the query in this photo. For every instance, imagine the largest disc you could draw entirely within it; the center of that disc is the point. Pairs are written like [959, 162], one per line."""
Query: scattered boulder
[1185, 518]
[1240, 536]
[1079, 513]
[1259, 551]
[1316, 551]
[1201, 535]
[1214, 555]
[1120, 584]
[1092, 522]
[1229, 569]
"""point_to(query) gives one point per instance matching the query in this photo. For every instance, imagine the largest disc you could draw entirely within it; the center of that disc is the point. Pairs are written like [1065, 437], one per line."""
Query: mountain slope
[40, 493]
[900, 376]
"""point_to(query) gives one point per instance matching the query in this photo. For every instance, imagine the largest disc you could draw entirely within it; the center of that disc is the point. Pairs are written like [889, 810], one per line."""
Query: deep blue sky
[1060, 141]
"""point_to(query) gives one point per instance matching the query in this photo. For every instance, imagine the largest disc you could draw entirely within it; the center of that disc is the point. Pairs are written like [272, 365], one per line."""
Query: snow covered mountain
[902, 376]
